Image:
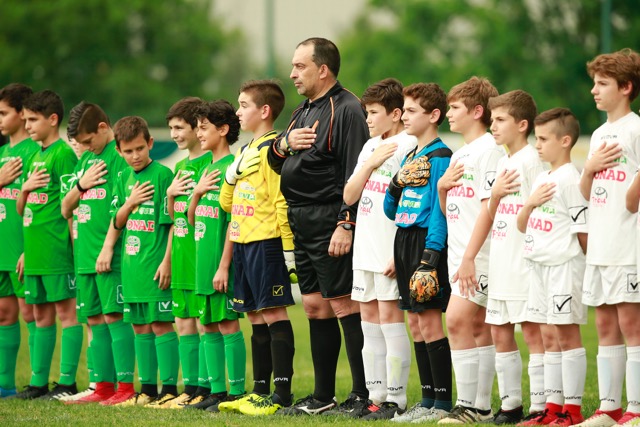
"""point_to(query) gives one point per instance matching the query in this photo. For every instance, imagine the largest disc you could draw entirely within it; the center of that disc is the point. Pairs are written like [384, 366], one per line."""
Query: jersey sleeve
[164, 182]
[437, 235]
[272, 180]
[577, 207]
[487, 167]
[65, 169]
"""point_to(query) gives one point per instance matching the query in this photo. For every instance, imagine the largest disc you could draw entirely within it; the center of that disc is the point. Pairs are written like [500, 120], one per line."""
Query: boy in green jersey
[13, 156]
[48, 257]
[182, 122]
[218, 127]
[99, 295]
[262, 240]
[139, 207]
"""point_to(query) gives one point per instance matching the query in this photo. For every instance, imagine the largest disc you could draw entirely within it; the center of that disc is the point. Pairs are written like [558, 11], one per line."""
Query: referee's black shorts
[407, 253]
[312, 227]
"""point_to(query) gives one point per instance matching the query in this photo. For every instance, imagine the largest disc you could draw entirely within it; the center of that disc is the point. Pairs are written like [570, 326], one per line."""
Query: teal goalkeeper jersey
[47, 239]
[10, 221]
[210, 232]
[183, 246]
[94, 209]
[145, 235]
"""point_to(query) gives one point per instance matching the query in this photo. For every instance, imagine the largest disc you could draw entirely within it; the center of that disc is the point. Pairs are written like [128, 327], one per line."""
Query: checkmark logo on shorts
[632, 283]
[164, 306]
[483, 282]
[119, 296]
[561, 304]
[578, 214]
[278, 291]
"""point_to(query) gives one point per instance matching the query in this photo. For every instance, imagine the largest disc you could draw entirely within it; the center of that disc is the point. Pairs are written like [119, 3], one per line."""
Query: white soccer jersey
[373, 241]
[611, 227]
[480, 158]
[551, 230]
[508, 271]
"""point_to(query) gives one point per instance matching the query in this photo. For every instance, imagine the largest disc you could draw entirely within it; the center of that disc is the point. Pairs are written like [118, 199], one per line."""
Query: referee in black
[315, 156]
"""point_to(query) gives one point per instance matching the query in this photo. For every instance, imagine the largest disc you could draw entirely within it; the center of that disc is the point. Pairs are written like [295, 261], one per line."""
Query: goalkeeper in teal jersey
[99, 295]
[183, 123]
[139, 207]
[218, 127]
[13, 156]
[48, 257]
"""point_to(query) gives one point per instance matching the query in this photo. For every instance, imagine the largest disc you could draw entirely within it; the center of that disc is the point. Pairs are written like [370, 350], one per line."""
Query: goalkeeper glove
[244, 165]
[424, 285]
[290, 262]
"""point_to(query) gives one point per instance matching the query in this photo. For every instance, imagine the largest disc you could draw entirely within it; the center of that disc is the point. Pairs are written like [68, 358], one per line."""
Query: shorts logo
[119, 296]
[164, 306]
[632, 283]
[562, 304]
[483, 284]
[71, 281]
[229, 304]
[278, 291]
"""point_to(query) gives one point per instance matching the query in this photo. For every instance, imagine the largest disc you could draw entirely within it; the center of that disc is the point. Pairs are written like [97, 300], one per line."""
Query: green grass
[15, 412]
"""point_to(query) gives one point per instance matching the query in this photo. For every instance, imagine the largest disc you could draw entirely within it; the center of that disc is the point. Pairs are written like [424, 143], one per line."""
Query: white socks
[574, 374]
[509, 371]
[553, 377]
[374, 355]
[611, 367]
[465, 365]
[486, 374]
[398, 362]
[633, 379]
[536, 382]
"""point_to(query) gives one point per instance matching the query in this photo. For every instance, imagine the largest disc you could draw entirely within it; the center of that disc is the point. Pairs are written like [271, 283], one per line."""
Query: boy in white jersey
[554, 219]
[374, 284]
[610, 281]
[512, 117]
[464, 191]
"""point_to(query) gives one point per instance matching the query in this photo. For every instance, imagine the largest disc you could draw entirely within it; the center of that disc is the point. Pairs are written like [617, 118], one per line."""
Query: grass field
[15, 412]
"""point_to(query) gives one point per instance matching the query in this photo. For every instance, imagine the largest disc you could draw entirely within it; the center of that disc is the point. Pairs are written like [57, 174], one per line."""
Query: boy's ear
[478, 111]
[396, 114]
[265, 111]
[54, 120]
[523, 125]
[626, 88]
[150, 143]
[224, 130]
[102, 127]
[434, 116]
[566, 141]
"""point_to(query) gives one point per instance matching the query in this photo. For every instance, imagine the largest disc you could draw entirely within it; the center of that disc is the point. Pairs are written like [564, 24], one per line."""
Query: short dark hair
[475, 91]
[565, 122]
[324, 52]
[185, 109]
[45, 102]
[387, 92]
[129, 128]
[220, 113]
[265, 92]
[85, 118]
[519, 104]
[14, 94]
[430, 96]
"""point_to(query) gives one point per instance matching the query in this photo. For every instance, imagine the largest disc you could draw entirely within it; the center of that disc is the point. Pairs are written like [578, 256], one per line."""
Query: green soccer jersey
[93, 212]
[47, 241]
[10, 221]
[210, 232]
[144, 240]
[183, 246]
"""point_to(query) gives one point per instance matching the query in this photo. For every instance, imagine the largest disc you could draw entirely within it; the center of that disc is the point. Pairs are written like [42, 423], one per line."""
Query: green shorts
[45, 288]
[144, 313]
[216, 308]
[100, 293]
[8, 284]
[186, 303]
[81, 317]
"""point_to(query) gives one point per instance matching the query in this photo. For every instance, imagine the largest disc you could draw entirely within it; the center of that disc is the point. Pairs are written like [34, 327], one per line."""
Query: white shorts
[610, 284]
[555, 293]
[501, 312]
[480, 298]
[369, 286]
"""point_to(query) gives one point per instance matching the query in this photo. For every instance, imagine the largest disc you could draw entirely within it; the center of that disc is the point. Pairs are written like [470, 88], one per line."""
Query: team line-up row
[361, 202]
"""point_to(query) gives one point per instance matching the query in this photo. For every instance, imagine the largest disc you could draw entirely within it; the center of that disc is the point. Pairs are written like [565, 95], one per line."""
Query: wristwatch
[346, 226]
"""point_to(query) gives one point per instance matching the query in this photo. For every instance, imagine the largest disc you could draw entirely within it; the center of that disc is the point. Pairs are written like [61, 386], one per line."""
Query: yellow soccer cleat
[264, 405]
[162, 402]
[177, 402]
[138, 399]
[234, 405]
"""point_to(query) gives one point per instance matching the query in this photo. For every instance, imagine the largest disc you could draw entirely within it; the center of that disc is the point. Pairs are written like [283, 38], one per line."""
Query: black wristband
[79, 187]
[430, 258]
[394, 189]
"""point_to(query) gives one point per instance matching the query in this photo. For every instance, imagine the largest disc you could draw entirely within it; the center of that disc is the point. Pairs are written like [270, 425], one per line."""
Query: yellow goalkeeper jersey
[258, 209]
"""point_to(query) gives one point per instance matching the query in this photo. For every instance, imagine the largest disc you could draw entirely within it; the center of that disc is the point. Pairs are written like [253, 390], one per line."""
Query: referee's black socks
[353, 341]
[325, 350]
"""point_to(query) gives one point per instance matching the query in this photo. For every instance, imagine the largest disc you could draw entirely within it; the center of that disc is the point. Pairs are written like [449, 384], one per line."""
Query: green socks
[147, 360]
[189, 355]
[236, 354]
[102, 354]
[31, 327]
[203, 375]
[44, 343]
[123, 348]
[214, 351]
[70, 353]
[9, 346]
[168, 358]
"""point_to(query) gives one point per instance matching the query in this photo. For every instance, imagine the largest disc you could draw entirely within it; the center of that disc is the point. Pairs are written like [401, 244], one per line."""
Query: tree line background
[140, 56]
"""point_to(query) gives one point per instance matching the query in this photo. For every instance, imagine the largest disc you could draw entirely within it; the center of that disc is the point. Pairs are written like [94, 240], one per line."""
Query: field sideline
[14, 412]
